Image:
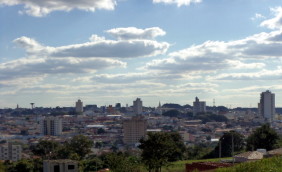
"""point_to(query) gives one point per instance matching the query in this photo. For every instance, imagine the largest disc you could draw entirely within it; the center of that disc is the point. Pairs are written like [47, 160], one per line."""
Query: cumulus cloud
[100, 47]
[135, 33]
[217, 55]
[137, 77]
[31, 67]
[276, 22]
[258, 16]
[261, 75]
[39, 8]
[177, 2]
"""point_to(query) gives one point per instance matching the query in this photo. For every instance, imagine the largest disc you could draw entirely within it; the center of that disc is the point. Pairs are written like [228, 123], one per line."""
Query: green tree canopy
[171, 113]
[263, 137]
[81, 145]
[158, 149]
[225, 145]
[45, 148]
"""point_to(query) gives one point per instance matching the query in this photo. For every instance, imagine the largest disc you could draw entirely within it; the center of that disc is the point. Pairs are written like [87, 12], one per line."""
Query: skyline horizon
[168, 50]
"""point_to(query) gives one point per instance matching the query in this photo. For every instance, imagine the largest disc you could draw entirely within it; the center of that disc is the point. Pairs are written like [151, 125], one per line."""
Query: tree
[171, 113]
[161, 148]
[45, 148]
[22, 166]
[92, 164]
[81, 145]
[120, 162]
[225, 145]
[263, 137]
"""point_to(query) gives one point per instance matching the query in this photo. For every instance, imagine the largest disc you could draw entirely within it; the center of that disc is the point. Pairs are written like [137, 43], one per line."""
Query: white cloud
[258, 16]
[39, 8]
[217, 55]
[100, 47]
[31, 67]
[276, 22]
[261, 75]
[177, 2]
[135, 33]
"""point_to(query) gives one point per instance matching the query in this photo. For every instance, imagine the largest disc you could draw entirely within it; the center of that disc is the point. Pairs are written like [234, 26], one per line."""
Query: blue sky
[53, 52]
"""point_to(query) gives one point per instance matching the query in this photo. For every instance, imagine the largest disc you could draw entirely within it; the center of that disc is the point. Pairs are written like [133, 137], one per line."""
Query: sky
[53, 52]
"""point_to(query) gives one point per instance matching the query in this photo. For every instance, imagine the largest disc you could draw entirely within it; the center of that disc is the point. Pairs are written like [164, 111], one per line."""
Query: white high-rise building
[137, 106]
[51, 126]
[198, 106]
[79, 106]
[267, 105]
[10, 152]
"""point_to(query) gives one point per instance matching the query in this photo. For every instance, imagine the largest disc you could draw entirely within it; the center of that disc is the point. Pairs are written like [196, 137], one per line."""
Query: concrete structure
[64, 165]
[10, 152]
[134, 129]
[137, 106]
[51, 126]
[248, 156]
[79, 106]
[198, 106]
[267, 105]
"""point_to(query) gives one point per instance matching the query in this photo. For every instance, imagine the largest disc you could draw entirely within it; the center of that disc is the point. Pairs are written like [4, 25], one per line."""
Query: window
[70, 167]
[56, 168]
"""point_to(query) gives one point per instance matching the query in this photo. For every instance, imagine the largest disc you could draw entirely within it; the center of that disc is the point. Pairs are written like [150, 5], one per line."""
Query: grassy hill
[266, 165]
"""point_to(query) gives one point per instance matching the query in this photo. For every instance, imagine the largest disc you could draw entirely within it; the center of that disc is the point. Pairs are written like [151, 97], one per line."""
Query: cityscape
[140, 86]
[120, 128]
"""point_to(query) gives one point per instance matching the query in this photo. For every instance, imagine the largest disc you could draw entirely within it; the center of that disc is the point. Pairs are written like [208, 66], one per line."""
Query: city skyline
[106, 51]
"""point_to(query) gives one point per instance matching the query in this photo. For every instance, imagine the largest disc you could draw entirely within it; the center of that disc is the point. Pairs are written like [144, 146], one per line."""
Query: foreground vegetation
[266, 165]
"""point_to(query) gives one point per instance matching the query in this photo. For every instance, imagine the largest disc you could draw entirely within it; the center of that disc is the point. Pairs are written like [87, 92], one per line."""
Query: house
[63, 165]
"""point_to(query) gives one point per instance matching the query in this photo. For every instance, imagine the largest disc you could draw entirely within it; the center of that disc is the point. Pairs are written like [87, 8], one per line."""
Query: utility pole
[232, 148]
[219, 148]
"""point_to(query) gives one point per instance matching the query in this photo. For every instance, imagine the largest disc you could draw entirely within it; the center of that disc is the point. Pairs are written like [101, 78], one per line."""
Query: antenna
[213, 102]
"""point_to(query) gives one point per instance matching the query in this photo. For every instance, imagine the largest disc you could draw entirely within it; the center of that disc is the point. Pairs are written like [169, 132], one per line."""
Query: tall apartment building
[79, 106]
[10, 152]
[137, 106]
[51, 126]
[134, 129]
[198, 106]
[266, 105]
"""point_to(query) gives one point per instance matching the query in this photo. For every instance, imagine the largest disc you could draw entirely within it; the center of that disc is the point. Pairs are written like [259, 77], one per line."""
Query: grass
[265, 165]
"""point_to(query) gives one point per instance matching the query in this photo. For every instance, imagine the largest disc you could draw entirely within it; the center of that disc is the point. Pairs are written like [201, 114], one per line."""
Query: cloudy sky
[53, 52]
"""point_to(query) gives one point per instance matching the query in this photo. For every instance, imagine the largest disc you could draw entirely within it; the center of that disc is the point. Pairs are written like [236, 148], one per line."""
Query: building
[134, 129]
[10, 152]
[198, 106]
[79, 106]
[266, 105]
[137, 106]
[51, 126]
[64, 165]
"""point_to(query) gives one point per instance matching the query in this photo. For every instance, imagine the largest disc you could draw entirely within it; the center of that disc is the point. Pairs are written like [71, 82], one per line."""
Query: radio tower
[32, 105]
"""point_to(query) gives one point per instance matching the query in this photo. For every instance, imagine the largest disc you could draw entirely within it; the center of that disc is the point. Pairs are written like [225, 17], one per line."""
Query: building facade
[10, 152]
[137, 106]
[51, 126]
[63, 165]
[134, 129]
[79, 106]
[266, 105]
[198, 106]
